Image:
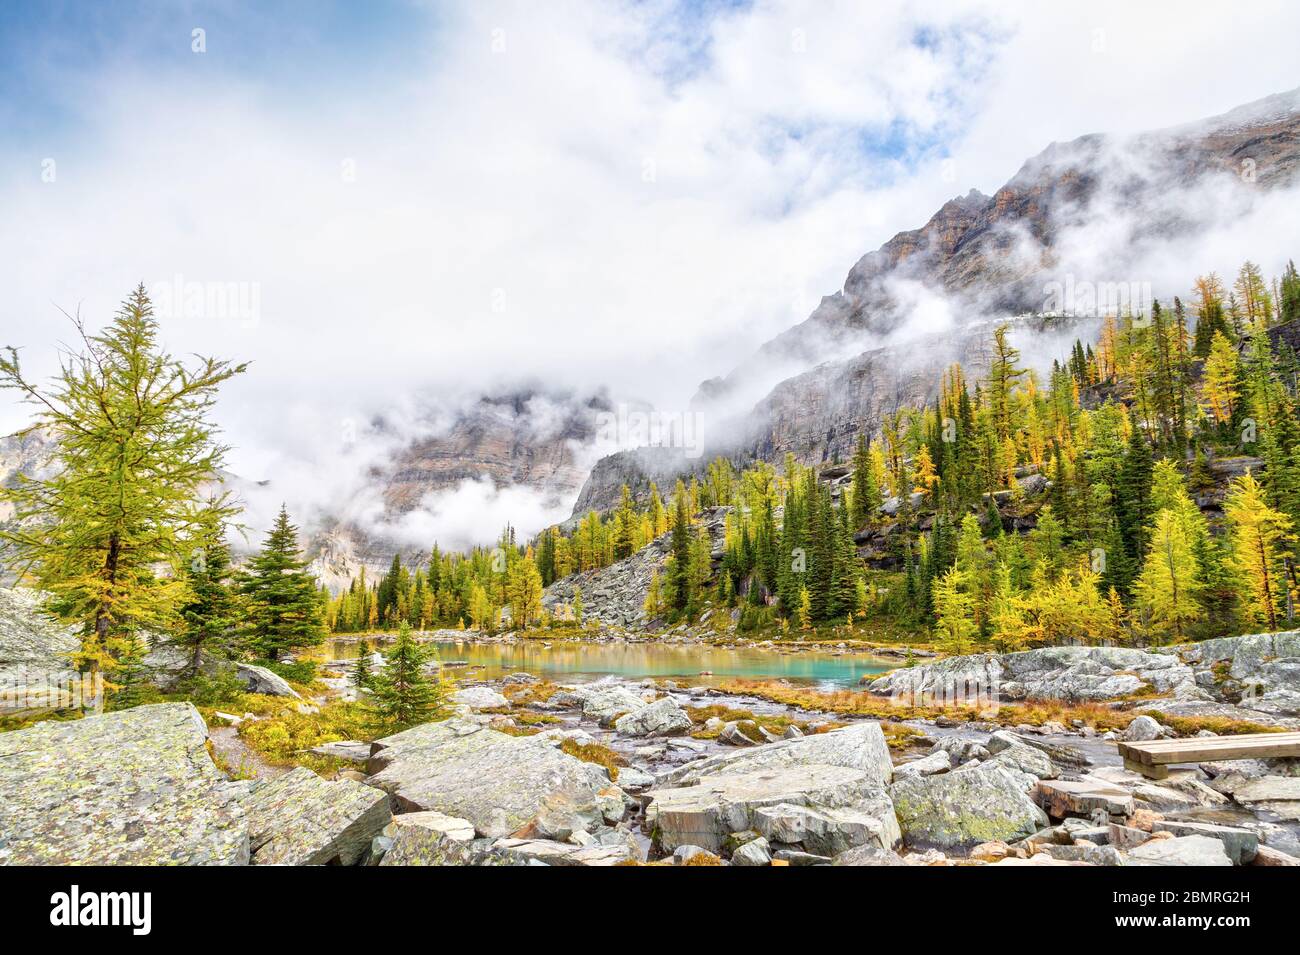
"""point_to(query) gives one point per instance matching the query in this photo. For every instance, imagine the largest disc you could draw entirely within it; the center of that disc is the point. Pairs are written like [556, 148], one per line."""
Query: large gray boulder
[706, 813]
[965, 808]
[500, 783]
[829, 831]
[860, 746]
[480, 698]
[135, 787]
[300, 819]
[661, 718]
[1181, 850]
[1241, 845]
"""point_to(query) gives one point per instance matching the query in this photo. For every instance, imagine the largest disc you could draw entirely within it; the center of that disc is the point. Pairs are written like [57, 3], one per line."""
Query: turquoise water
[688, 664]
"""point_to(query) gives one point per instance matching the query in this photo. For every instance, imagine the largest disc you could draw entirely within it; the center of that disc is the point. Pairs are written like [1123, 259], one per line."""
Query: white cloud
[623, 195]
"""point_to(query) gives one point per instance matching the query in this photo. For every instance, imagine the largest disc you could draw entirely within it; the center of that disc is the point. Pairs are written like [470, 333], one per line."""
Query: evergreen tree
[866, 499]
[404, 695]
[210, 617]
[679, 571]
[281, 604]
[1133, 496]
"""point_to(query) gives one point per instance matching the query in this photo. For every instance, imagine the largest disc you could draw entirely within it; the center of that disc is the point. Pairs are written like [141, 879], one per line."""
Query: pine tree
[866, 491]
[210, 617]
[404, 695]
[679, 576]
[1133, 496]
[133, 445]
[281, 604]
[361, 675]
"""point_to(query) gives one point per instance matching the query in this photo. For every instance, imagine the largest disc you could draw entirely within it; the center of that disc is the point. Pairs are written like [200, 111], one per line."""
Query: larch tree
[1167, 591]
[1259, 537]
[132, 446]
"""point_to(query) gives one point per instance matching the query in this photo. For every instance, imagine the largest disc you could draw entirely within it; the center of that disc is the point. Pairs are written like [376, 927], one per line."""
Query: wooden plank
[1227, 742]
[1200, 749]
[1151, 772]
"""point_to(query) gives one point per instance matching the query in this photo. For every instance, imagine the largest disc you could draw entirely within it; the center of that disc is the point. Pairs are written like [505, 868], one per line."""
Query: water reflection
[688, 664]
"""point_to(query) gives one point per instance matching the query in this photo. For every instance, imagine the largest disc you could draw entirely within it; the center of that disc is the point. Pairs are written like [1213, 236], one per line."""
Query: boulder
[1082, 797]
[606, 704]
[258, 679]
[830, 831]
[661, 718]
[754, 852]
[705, 813]
[1084, 852]
[860, 746]
[1025, 759]
[1181, 850]
[135, 787]
[1265, 855]
[937, 762]
[963, 809]
[460, 830]
[565, 854]
[868, 855]
[1069, 757]
[480, 698]
[499, 783]
[300, 819]
[424, 845]
[960, 750]
[344, 749]
[1142, 729]
[1240, 844]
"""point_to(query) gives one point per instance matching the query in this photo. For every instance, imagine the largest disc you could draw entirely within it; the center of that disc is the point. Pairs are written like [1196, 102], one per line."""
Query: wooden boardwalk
[1152, 759]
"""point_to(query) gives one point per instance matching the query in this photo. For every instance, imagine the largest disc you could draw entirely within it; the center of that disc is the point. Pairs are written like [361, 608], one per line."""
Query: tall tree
[1260, 537]
[132, 446]
[282, 606]
[210, 617]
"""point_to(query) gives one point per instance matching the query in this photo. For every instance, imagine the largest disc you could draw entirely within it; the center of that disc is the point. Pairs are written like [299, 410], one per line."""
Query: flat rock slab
[344, 749]
[1063, 798]
[1268, 789]
[706, 813]
[135, 787]
[1181, 850]
[860, 746]
[1241, 845]
[963, 809]
[499, 783]
[301, 819]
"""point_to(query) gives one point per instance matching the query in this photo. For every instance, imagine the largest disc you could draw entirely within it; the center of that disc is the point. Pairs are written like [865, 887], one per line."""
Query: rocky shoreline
[528, 772]
[489, 787]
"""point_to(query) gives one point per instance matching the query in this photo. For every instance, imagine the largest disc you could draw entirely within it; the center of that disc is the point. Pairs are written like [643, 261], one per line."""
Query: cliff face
[979, 260]
[508, 439]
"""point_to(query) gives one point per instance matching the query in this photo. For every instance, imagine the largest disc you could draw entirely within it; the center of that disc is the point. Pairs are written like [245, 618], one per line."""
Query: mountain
[1055, 248]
